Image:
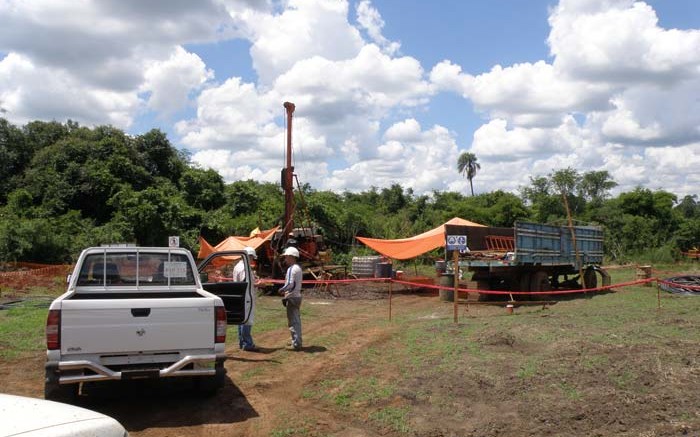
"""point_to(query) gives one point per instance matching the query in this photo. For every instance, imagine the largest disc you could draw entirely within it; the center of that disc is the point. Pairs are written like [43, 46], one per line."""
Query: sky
[386, 91]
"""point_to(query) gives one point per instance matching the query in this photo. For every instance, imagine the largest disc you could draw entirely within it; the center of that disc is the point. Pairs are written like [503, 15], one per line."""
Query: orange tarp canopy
[406, 248]
[256, 239]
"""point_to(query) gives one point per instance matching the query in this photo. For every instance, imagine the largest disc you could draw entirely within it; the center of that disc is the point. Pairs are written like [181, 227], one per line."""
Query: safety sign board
[456, 242]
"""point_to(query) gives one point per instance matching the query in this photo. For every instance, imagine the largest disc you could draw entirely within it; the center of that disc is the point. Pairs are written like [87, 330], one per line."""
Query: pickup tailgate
[137, 325]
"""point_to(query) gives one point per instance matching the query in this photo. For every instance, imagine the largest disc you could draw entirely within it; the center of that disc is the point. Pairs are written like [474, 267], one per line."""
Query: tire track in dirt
[277, 395]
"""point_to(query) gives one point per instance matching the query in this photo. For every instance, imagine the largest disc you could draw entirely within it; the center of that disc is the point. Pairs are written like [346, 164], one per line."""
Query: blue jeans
[245, 339]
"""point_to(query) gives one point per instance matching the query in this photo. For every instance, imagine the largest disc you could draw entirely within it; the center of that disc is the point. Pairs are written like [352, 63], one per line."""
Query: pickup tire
[209, 385]
[53, 391]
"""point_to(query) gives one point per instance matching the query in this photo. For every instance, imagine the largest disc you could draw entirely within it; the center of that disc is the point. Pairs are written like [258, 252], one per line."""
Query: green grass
[393, 417]
[345, 392]
[569, 391]
[562, 354]
[623, 380]
[594, 362]
[573, 347]
[22, 331]
[528, 369]
[270, 314]
[289, 432]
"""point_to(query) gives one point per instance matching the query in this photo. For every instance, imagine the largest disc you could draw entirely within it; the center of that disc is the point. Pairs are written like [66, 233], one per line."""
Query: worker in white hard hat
[292, 295]
[245, 331]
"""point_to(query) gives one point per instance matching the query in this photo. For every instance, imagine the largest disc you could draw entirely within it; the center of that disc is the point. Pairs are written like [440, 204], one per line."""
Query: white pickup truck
[137, 312]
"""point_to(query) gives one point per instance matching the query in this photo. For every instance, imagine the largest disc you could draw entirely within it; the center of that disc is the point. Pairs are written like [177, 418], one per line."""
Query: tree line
[64, 187]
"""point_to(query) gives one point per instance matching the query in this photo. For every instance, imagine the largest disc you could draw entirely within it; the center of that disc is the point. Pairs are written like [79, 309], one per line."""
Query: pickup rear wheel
[209, 385]
[53, 391]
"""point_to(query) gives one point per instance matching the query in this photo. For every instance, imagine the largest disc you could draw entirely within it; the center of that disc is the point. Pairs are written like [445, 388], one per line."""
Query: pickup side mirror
[204, 277]
[68, 278]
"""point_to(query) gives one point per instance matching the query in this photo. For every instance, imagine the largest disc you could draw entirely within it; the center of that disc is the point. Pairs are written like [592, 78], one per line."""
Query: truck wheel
[539, 281]
[209, 385]
[590, 279]
[483, 284]
[53, 391]
[521, 282]
[524, 282]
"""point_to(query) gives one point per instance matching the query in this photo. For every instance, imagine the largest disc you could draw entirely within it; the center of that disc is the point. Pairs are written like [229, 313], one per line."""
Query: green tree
[688, 235]
[160, 158]
[155, 213]
[203, 189]
[467, 165]
[544, 201]
[393, 198]
[567, 182]
[503, 209]
[688, 207]
[595, 186]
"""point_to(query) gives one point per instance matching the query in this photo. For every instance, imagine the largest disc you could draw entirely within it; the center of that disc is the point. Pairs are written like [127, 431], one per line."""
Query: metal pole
[573, 240]
[390, 293]
[288, 176]
[455, 258]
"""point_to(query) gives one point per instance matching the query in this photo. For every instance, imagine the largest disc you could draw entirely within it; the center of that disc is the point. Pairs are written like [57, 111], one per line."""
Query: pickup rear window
[136, 269]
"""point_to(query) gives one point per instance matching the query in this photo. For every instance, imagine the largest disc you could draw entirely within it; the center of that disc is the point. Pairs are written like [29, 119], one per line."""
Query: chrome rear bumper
[103, 373]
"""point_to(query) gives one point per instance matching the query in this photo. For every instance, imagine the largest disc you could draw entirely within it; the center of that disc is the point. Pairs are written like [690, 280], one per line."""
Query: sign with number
[456, 242]
[175, 269]
[174, 241]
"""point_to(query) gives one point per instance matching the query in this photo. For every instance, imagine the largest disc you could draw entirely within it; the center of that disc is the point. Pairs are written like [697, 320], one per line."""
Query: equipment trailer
[532, 257]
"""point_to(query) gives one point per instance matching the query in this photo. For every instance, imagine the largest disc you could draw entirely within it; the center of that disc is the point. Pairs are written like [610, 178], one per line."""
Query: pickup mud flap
[141, 374]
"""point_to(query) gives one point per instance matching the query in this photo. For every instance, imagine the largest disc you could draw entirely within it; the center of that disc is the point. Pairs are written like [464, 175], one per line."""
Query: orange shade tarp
[235, 243]
[406, 248]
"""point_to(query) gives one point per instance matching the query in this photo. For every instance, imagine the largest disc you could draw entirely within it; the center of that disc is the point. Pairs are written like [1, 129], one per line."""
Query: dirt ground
[269, 389]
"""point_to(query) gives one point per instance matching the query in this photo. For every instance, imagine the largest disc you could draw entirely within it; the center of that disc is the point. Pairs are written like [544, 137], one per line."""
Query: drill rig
[304, 236]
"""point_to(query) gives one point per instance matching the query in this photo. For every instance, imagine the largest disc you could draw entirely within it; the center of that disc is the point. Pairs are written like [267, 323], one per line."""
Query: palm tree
[467, 165]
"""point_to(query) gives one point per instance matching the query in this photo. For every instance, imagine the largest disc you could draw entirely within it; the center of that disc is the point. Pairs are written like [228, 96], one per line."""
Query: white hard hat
[291, 251]
[251, 252]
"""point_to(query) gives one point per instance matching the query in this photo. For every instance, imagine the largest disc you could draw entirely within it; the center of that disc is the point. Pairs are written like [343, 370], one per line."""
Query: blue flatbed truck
[532, 257]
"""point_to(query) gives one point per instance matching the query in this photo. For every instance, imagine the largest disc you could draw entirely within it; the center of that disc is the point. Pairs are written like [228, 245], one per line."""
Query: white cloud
[95, 57]
[632, 84]
[230, 115]
[29, 92]
[619, 92]
[370, 83]
[620, 42]
[446, 76]
[407, 131]
[653, 115]
[306, 28]
[171, 81]
[527, 94]
[370, 19]
[494, 141]
[622, 124]
[423, 164]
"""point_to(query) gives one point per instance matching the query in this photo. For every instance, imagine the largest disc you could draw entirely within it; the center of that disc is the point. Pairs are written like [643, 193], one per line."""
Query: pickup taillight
[220, 325]
[53, 330]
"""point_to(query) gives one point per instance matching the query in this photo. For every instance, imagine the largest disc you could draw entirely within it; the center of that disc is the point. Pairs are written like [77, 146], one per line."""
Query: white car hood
[25, 417]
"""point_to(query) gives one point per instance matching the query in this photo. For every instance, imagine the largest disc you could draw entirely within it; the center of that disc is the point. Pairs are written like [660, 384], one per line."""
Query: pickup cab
[140, 313]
